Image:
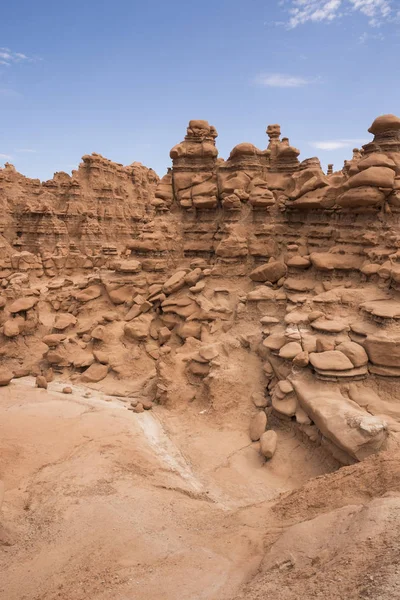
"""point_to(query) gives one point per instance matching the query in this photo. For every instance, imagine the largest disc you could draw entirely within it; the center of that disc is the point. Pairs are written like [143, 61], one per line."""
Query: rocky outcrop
[243, 283]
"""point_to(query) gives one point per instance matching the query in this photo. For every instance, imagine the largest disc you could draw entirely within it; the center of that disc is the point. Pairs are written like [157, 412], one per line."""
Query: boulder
[53, 339]
[5, 376]
[164, 335]
[329, 325]
[257, 426]
[209, 352]
[175, 282]
[261, 293]
[94, 373]
[200, 369]
[275, 341]
[285, 406]
[11, 328]
[383, 349]
[64, 320]
[376, 159]
[99, 333]
[299, 262]
[290, 350]
[90, 293]
[41, 382]
[259, 400]
[272, 272]
[341, 420]
[268, 442]
[101, 357]
[139, 328]
[23, 304]
[302, 359]
[332, 360]
[380, 177]
[354, 352]
[189, 329]
[285, 386]
[361, 197]
[327, 261]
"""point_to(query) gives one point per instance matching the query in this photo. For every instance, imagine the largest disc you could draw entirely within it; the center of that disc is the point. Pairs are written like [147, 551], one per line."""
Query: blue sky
[123, 78]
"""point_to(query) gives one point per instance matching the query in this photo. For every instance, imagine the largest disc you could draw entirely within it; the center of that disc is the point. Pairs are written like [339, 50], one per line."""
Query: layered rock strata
[259, 283]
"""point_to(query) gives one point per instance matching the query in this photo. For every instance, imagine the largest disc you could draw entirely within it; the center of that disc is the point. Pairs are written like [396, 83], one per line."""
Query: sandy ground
[102, 503]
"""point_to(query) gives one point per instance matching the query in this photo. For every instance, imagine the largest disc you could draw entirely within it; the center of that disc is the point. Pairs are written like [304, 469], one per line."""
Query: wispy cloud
[25, 150]
[303, 11]
[280, 80]
[5, 157]
[366, 37]
[337, 144]
[8, 57]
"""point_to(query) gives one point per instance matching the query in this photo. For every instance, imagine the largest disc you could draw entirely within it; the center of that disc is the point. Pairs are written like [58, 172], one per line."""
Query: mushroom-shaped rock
[257, 426]
[244, 149]
[268, 442]
[383, 123]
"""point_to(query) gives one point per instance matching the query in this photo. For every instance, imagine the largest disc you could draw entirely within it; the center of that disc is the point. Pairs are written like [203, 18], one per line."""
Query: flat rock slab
[23, 304]
[341, 420]
[271, 272]
[325, 261]
[383, 350]
[330, 326]
[331, 360]
[387, 309]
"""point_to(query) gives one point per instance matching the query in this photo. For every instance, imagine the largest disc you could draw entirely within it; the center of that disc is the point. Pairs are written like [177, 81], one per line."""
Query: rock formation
[258, 283]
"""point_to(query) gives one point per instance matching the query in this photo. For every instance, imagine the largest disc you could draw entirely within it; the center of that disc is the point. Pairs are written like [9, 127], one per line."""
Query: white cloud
[7, 57]
[26, 150]
[280, 80]
[5, 157]
[303, 11]
[337, 144]
[365, 37]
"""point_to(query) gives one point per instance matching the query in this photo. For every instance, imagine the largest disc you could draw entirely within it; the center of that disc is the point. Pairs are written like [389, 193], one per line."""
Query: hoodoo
[257, 291]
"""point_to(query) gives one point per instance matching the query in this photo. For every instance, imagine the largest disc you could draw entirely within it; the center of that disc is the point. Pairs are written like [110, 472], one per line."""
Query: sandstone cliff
[258, 284]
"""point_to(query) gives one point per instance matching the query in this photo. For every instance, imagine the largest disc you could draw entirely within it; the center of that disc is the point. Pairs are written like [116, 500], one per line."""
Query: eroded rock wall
[259, 284]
